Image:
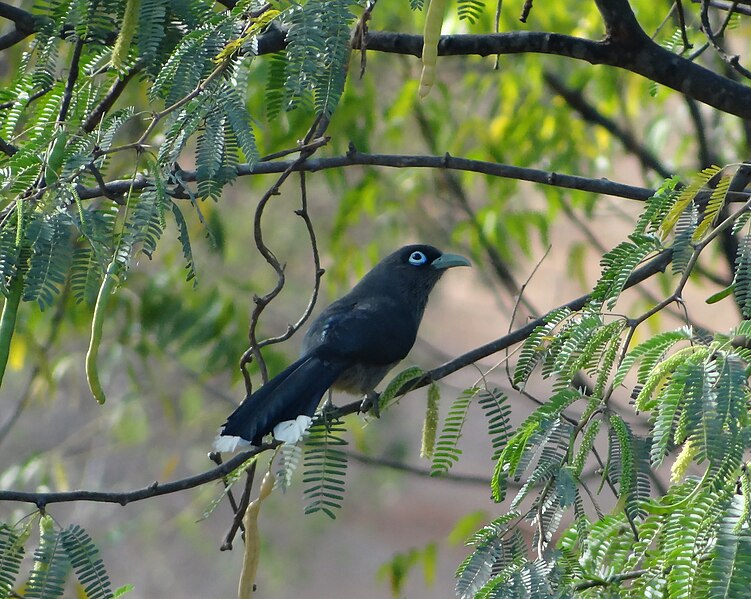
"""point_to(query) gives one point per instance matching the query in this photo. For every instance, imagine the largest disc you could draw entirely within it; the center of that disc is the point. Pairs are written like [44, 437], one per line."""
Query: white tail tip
[227, 444]
[291, 431]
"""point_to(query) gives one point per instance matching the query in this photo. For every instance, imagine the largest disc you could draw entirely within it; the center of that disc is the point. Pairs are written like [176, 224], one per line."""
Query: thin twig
[576, 100]
[732, 61]
[237, 521]
[382, 462]
[253, 351]
[682, 24]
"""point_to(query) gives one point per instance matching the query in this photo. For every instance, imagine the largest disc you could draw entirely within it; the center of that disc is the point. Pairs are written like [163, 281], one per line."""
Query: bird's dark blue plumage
[350, 346]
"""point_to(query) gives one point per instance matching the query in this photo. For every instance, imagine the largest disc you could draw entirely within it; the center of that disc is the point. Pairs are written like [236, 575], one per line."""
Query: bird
[350, 347]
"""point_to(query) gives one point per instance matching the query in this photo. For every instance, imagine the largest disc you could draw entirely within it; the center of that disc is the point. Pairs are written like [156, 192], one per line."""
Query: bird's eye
[417, 259]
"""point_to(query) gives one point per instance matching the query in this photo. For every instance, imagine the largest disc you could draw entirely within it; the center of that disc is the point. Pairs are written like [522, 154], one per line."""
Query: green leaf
[406, 379]
[720, 295]
[50, 568]
[497, 409]
[447, 451]
[11, 553]
[324, 468]
[88, 566]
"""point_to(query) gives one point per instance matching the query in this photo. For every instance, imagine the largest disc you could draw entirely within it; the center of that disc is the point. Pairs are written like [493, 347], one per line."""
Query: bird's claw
[328, 410]
[371, 403]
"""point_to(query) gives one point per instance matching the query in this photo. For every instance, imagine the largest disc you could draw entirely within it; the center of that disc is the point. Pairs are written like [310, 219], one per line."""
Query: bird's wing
[374, 330]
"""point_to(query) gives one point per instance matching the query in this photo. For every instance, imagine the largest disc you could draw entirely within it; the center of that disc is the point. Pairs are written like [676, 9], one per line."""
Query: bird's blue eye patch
[417, 258]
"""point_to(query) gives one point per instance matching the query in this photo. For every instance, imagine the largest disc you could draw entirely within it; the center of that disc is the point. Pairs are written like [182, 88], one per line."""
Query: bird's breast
[362, 378]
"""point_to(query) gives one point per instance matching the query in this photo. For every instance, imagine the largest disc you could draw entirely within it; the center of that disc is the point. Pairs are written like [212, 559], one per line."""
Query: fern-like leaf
[497, 546]
[86, 274]
[621, 460]
[317, 52]
[649, 353]
[240, 122]
[275, 85]
[536, 430]
[324, 468]
[714, 206]
[498, 414]
[145, 221]
[211, 146]
[289, 461]
[657, 207]
[11, 554]
[618, 264]
[404, 380]
[88, 566]
[686, 196]
[183, 237]
[470, 10]
[447, 451]
[49, 239]
[685, 231]
[534, 345]
[731, 393]
[9, 252]
[328, 84]
[51, 566]
[730, 569]
[151, 22]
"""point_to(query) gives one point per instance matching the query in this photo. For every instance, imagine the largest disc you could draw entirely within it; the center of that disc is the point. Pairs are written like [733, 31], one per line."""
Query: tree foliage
[127, 127]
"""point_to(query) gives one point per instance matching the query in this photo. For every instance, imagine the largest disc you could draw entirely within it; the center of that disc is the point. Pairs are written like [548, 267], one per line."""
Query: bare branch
[733, 61]
[728, 6]
[125, 497]
[355, 158]
[645, 58]
[316, 132]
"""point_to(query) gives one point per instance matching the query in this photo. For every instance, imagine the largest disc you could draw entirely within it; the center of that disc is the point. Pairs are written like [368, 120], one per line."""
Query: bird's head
[413, 270]
[420, 259]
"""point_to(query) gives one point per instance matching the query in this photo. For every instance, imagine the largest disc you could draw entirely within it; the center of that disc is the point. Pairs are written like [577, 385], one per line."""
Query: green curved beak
[449, 261]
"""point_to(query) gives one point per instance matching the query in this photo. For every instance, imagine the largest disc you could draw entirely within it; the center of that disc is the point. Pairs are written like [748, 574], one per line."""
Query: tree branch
[125, 497]
[355, 158]
[645, 58]
[626, 46]
[25, 22]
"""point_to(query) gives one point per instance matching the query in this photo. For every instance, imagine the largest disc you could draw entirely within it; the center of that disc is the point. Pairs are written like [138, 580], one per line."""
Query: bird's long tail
[296, 391]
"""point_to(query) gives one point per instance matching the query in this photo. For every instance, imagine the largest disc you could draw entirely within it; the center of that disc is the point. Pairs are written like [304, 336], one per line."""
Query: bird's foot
[328, 411]
[371, 403]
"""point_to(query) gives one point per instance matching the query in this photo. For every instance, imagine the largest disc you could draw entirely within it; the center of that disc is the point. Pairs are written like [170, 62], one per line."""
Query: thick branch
[93, 120]
[646, 58]
[626, 46]
[25, 22]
